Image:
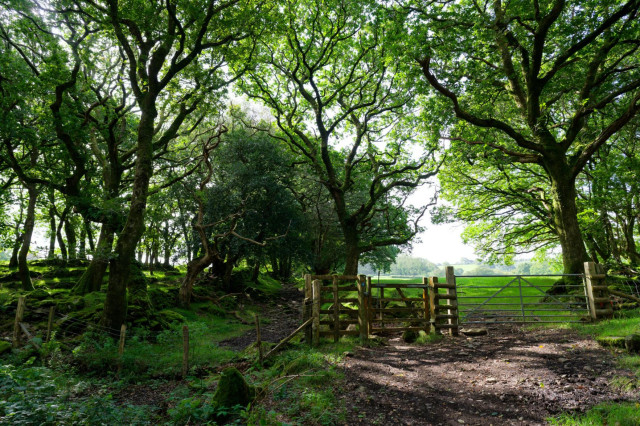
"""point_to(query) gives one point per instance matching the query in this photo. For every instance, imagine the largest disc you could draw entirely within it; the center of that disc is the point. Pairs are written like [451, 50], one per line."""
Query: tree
[546, 84]
[340, 102]
[175, 53]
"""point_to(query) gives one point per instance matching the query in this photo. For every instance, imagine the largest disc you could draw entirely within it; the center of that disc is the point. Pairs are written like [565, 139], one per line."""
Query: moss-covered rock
[611, 341]
[632, 343]
[233, 390]
[410, 336]
[4, 347]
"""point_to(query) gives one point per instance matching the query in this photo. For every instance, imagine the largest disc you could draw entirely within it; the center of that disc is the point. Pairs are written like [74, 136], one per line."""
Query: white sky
[442, 243]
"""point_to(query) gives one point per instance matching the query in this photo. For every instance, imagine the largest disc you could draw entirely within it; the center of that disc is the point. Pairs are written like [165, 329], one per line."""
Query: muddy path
[511, 376]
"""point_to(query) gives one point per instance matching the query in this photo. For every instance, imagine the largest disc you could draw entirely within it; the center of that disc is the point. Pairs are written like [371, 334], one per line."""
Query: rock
[410, 336]
[475, 331]
[4, 347]
[352, 327]
[491, 380]
[632, 343]
[233, 390]
[611, 341]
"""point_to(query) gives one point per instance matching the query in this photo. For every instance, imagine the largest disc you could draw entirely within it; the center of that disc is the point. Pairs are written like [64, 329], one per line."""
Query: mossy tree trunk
[23, 267]
[93, 277]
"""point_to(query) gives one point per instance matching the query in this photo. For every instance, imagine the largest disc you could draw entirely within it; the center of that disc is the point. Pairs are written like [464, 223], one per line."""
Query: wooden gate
[335, 304]
[398, 307]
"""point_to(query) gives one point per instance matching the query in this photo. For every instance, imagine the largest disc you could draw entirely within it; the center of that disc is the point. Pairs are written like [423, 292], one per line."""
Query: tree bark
[351, 241]
[71, 238]
[565, 219]
[115, 306]
[194, 269]
[61, 243]
[93, 277]
[52, 233]
[13, 261]
[23, 267]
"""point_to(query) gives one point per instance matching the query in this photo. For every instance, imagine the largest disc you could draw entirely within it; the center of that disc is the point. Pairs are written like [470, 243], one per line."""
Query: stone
[4, 347]
[352, 327]
[233, 390]
[410, 336]
[475, 331]
[632, 343]
[611, 341]
[491, 380]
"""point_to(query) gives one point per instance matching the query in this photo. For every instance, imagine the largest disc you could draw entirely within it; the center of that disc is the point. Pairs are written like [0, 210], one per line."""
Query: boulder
[611, 341]
[475, 331]
[632, 343]
[4, 347]
[233, 390]
[410, 336]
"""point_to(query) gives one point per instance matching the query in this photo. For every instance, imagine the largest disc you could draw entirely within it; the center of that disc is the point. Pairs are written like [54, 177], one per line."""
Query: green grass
[623, 414]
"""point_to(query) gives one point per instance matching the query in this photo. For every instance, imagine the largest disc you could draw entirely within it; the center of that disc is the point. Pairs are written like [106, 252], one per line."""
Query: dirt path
[510, 376]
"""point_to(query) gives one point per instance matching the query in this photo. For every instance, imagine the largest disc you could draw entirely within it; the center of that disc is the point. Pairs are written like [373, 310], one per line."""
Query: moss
[233, 390]
[4, 347]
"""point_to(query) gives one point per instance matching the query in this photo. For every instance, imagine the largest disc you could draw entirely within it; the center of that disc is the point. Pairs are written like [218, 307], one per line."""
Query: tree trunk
[115, 306]
[89, 231]
[70, 232]
[23, 267]
[194, 269]
[82, 247]
[352, 252]
[52, 233]
[13, 261]
[93, 277]
[63, 246]
[565, 220]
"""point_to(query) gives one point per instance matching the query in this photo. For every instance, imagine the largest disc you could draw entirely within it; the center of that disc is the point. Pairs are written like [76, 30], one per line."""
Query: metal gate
[495, 299]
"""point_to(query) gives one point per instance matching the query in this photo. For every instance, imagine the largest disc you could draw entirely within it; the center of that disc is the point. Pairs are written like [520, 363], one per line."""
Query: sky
[442, 243]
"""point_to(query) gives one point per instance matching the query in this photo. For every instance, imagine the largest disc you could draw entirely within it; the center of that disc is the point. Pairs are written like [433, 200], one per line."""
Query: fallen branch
[289, 337]
[624, 295]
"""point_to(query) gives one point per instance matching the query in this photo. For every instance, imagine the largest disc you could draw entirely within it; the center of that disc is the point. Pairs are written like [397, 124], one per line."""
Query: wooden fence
[339, 305]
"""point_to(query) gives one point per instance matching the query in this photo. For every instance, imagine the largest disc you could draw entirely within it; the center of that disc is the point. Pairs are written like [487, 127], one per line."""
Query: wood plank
[381, 330]
[342, 321]
[446, 297]
[398, 299]
[336, 310]
[411, 310]
[398, 285]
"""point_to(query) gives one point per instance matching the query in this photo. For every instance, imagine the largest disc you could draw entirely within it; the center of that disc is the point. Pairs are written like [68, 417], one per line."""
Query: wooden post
[258, 340]
[307, 306]
[18, 320]
[336, 310]
[596, 291]
[427, 309]
[363, 324]
[185, 351]
[433, 291]
[52, 311]
[451, 291]
[123, 333]
[369, 304]
[315, 327]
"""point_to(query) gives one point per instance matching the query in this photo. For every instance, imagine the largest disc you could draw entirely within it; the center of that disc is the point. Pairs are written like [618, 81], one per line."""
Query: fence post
[597, 291]
[363, 323]
[315, 325]
[336, 309]
[185, 351]
[259, 340]
[52, 311]
[369, 305]
[307, 307]
[123, 333]
[18, 320]
[453, 302]
[427, 309]
[433, 291]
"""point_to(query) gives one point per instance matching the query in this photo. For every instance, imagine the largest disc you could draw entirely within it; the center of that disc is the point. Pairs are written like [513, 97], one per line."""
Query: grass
[622, 414]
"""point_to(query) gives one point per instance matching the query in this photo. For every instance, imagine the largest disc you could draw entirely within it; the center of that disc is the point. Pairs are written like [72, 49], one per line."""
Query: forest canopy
[291, 136]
